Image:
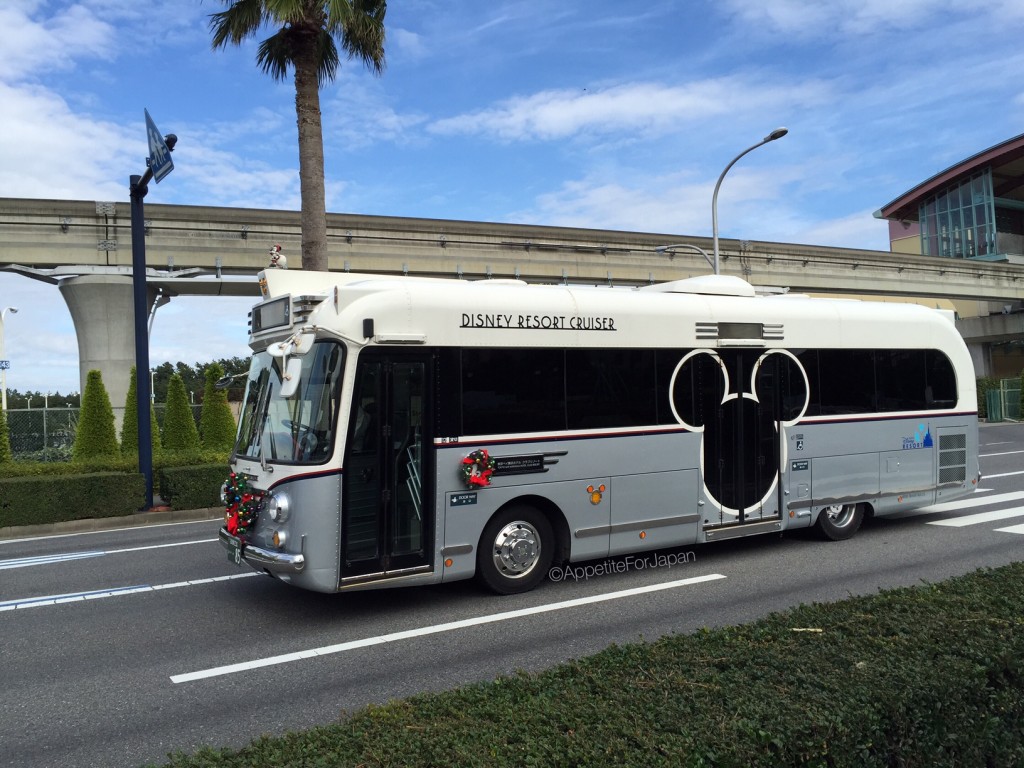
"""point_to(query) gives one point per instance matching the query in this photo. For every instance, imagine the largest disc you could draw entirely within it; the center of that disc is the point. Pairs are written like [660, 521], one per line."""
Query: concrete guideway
[84, 247]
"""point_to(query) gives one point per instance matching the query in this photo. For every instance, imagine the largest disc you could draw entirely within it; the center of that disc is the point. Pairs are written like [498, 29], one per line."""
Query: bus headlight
[278, 507]
[280, 537]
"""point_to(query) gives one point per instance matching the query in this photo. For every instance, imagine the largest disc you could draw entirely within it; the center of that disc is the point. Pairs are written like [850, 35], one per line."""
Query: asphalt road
[118, 647]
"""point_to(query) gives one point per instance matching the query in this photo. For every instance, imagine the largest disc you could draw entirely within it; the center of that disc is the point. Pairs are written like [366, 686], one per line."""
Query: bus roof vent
[303, 306]
[712, 285]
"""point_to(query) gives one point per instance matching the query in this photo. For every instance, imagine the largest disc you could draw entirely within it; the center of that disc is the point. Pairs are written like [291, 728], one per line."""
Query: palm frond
[276, 53]
[327, 58]
[242, 19]
[361, 27]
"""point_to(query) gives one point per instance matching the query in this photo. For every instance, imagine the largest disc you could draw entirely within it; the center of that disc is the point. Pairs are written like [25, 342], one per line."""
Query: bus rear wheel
[840, 521]
[515, 550]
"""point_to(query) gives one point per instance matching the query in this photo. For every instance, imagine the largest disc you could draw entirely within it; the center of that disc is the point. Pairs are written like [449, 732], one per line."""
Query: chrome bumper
[262, 559]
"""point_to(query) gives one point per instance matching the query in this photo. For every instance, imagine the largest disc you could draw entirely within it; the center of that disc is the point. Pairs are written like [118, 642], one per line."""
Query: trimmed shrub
[130, 424]
[95, 436]
[54, 499]
[985, 383]
[6, 455]
[193, 487]
[216, 422]
[180, 431]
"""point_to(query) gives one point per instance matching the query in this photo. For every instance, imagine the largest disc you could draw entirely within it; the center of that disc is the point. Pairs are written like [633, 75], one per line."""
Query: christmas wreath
[242, 504]
[477, 468]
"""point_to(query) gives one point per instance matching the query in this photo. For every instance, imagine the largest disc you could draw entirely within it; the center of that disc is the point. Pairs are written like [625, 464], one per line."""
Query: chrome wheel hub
[516, 549]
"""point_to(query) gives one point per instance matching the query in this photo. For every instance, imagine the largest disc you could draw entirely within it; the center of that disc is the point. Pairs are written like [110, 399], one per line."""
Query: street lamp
[778, 133]
[3, 361]
[671, 250]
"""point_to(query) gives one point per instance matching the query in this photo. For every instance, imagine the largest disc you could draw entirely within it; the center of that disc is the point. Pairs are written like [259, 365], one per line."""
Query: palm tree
[305, 41]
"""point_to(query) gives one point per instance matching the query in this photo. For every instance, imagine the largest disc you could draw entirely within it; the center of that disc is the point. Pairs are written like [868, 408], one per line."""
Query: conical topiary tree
[216, 422]
[5, 439]
[96, 436]
[180, 431]
[130, 424]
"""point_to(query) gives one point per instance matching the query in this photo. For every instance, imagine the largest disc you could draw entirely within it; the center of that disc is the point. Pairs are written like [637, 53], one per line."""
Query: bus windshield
[292, 430]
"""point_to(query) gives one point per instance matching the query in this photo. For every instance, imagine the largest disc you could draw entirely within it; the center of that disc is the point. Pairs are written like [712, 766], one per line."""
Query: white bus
[402, 430]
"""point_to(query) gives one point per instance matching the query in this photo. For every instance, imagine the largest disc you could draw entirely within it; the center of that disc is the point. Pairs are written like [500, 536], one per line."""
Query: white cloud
[824, 19]
[49, 151]
[357, 114]
[630, 109]
[409, 45]
[31, 46]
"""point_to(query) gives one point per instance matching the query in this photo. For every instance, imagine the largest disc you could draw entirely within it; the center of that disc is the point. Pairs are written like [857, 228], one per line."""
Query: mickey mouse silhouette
[740, 447]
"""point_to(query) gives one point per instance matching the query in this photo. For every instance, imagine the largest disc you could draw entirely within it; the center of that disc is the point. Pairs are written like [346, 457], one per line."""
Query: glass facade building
[960, 220]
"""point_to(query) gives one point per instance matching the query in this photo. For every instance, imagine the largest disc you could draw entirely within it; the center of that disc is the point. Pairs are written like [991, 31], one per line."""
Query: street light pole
[671, 251]
[3, 370]
[778, 133]
[138, 187]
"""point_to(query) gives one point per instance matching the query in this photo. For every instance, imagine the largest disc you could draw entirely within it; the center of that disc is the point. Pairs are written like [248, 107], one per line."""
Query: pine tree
[96, 436]
[130, 424]
[216, 422]
[5, 439]
[180, 431]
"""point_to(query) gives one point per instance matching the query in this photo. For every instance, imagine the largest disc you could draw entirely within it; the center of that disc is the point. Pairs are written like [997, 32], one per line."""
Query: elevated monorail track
[46, 234]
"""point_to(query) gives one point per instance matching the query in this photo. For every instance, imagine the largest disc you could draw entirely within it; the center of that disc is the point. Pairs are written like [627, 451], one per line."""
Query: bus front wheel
[839, 521]
[515, 550]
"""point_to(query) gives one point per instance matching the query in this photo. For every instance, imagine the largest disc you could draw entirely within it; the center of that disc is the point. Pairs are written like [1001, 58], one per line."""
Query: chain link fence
[48, 434]
[1003, 402]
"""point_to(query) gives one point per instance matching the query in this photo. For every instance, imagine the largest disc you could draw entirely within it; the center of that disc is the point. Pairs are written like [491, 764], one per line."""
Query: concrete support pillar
[102, 310]
[981, 356]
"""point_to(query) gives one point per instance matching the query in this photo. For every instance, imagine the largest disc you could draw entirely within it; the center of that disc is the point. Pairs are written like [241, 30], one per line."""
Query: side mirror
[292, 377]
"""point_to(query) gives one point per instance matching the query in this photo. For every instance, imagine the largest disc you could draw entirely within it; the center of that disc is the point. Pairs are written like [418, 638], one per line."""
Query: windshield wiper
[265, 415]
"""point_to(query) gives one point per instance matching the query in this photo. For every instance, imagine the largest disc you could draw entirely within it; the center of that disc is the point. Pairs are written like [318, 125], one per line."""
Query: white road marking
[1004, 453]
[1005, 474]
[965, 503]
[75, 597]
[25, 562]
[143, 526]
[434, 629]
[1011, 529]
[981, 517]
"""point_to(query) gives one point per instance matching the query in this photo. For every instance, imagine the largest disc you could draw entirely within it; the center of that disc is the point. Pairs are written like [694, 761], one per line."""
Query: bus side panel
[908, 472]
[314, 529]
[660, 506]
[838, 477]
[466, 513]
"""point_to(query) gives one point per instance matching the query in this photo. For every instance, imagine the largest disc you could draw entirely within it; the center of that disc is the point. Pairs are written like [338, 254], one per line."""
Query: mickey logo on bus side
[739, 400]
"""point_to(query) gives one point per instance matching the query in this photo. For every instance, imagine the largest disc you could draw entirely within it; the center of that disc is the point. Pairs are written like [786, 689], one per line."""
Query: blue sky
[586, 113]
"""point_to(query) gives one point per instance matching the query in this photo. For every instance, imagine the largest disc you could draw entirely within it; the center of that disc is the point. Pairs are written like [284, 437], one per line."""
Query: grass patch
[923, 676]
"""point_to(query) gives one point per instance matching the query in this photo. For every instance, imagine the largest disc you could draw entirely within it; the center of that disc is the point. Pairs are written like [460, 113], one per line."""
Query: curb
[151, 517]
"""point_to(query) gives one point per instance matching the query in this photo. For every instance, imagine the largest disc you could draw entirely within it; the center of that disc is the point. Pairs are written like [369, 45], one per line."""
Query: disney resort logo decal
[922, 439]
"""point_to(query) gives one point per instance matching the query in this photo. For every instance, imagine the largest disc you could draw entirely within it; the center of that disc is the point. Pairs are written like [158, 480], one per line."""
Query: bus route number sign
[5, 365]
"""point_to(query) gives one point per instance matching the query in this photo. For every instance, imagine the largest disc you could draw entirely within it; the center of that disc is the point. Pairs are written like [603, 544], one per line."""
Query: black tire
[839, 521]
[515, 550]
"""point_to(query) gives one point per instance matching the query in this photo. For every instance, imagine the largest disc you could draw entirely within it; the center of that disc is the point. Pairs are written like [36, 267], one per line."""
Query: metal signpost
[159, 165]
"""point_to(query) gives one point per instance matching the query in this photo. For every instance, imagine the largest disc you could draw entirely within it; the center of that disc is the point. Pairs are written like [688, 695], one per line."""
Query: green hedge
[54, 499]
[984, 384]
[193, 487]
[188, 479]
[928, 676]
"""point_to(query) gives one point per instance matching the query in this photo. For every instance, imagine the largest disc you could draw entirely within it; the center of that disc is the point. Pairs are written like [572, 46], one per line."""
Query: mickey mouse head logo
[739, 400]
